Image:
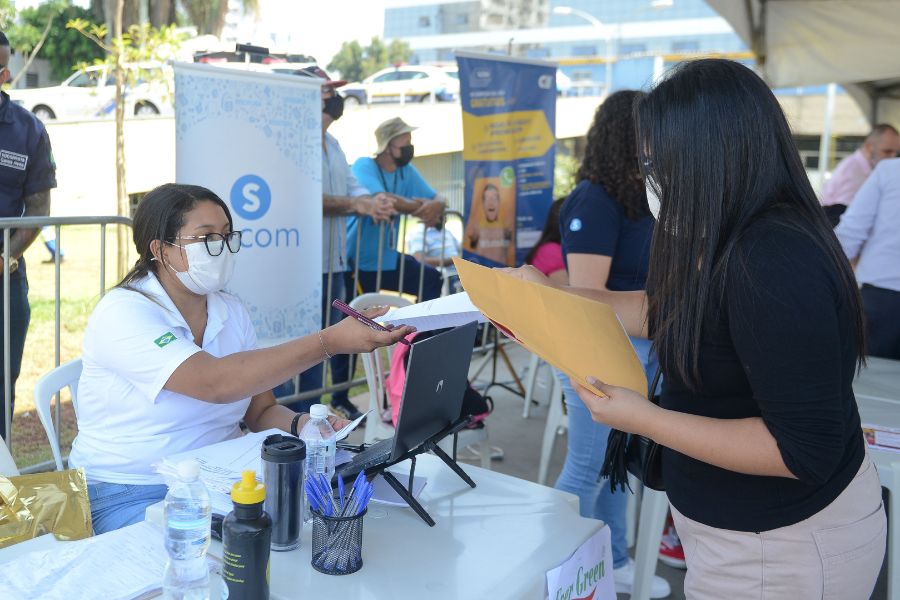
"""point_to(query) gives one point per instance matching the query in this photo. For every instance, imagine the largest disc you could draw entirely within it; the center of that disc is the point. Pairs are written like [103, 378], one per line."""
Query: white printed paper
[450, 311]
[124, 564]
[347, 429]
[588, 574]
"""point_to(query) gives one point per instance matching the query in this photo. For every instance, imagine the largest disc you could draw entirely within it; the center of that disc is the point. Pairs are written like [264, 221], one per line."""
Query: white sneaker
[624, 578]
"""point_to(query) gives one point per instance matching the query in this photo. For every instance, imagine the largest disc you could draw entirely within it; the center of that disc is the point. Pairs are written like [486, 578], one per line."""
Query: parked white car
[91, 92]
[415, 83]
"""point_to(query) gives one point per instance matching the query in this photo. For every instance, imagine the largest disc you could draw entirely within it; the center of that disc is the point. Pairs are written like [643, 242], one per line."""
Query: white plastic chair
[534, 365]
[65, 375]
[7, 464]
[373, 364]
[556, 419]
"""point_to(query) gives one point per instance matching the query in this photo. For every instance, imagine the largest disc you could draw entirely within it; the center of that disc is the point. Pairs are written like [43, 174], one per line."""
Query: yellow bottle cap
[248, 490]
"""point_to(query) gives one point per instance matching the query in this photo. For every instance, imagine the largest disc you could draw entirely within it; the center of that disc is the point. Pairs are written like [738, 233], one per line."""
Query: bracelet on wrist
[328, 355]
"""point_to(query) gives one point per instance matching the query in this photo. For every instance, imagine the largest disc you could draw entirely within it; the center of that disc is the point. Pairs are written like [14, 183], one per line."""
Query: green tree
[7, 14]
[139, 44]
[355, 62]
[43, 29]
[349, 61]
[208, 16]
[564, 173]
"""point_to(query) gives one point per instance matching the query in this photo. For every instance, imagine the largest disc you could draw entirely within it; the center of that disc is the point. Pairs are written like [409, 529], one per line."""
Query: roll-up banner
[509, 149]
[255, 139]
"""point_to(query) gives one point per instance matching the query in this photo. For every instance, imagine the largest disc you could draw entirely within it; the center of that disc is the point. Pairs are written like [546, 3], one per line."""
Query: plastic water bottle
[187, 514]
[318, 435]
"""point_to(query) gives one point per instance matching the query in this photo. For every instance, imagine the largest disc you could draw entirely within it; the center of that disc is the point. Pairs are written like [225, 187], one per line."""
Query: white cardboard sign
[588, 574]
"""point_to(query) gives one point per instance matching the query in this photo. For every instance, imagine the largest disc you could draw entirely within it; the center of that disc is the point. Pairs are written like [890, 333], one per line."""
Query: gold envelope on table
[578, 336]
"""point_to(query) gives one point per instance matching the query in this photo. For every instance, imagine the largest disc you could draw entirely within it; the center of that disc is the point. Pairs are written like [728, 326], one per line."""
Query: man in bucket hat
[390, 171]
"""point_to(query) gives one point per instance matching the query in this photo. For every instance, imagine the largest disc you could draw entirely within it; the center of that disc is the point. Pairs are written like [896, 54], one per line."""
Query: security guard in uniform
[27, 173]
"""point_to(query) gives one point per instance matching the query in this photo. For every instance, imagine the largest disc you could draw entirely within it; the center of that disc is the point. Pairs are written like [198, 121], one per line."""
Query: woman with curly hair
[606, 229]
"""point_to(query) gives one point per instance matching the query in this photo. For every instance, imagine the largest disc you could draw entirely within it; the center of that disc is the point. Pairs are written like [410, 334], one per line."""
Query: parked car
[414, 83]
[91, 93]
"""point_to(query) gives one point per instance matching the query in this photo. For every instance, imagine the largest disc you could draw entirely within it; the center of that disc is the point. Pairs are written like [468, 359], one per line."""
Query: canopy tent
[811, 42]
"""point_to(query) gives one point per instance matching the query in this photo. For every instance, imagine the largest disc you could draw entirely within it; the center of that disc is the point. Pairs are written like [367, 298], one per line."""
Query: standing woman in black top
[756, 319]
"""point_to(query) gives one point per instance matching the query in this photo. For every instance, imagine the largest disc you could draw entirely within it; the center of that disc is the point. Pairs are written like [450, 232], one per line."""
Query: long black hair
[611, 155]
[551, 231]
[159, 216]
[719, 153]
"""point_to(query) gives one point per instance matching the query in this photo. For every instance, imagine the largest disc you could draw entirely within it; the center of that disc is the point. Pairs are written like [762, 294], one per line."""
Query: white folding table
[877, 390]
[495, 541]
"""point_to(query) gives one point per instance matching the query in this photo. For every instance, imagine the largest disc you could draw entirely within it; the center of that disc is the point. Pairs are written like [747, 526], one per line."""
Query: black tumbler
[283, 464]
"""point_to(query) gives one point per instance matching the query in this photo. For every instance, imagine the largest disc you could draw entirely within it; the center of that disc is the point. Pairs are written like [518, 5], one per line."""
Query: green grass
[79, 293]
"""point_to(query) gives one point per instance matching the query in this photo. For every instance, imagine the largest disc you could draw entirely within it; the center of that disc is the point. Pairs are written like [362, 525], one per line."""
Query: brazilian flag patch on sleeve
[165, 339]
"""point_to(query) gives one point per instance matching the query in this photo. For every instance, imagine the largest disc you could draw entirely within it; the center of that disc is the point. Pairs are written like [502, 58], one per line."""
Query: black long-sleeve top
[781, 346]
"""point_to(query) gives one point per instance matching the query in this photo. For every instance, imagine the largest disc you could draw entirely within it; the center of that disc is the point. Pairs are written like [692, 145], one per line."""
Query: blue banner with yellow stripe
[509, 149]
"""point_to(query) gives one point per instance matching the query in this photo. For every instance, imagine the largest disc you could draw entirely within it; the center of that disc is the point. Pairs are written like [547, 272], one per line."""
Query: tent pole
[825, 140]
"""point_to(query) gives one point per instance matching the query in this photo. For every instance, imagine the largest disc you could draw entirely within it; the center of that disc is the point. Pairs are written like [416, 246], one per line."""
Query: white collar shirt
[132, 345]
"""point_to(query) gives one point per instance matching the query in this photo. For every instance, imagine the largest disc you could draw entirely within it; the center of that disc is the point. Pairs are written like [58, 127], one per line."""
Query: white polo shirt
[132, 345]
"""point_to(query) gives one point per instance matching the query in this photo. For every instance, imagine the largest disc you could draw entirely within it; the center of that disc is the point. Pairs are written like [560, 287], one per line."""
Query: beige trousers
[835, 554]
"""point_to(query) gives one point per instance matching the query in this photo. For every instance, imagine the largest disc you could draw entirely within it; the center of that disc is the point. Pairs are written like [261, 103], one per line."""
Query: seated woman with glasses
[170, 361]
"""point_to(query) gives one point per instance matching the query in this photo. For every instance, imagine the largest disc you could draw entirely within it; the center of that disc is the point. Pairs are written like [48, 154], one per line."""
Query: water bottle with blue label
[187, 518]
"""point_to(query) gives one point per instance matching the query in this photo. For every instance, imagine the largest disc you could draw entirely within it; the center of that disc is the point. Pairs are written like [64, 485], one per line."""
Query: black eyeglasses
[216, 242]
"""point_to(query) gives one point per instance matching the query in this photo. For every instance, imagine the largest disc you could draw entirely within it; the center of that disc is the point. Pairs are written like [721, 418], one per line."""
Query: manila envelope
[578, 336]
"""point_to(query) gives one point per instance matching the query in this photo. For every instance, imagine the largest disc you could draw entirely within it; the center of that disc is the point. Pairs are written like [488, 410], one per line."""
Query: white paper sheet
[385, 494]
[131, 562]
[346, 430]
[221, 464]
[450, 311]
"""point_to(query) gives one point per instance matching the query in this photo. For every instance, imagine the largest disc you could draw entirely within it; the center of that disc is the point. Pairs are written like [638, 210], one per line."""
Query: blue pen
[354, 492]
[341, 492]
[325, 490]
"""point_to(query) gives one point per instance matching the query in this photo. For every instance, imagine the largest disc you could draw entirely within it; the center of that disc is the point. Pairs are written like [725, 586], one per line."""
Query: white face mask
[652, 201]
[206, 274]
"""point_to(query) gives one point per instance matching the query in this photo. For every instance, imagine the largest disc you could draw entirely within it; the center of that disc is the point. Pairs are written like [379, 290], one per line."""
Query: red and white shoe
[671, 552]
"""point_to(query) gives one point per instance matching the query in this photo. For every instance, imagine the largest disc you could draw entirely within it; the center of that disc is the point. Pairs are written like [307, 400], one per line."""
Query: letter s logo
[251, 197]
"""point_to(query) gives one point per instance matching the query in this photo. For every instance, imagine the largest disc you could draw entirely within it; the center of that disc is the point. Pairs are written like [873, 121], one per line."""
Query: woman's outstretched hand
[349, 336]
[620, 408]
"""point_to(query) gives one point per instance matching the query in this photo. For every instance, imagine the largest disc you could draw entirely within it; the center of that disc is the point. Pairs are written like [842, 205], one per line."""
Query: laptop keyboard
[375, 454]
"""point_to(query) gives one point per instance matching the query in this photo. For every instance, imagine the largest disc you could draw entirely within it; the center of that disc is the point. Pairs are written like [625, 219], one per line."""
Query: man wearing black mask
[391, 172]
[342, 196]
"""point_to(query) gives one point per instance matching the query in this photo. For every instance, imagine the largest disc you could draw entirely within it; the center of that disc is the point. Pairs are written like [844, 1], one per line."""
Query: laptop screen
[436, 380]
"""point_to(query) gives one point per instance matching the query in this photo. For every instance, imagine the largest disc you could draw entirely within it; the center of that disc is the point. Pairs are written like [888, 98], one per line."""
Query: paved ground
[521, 441]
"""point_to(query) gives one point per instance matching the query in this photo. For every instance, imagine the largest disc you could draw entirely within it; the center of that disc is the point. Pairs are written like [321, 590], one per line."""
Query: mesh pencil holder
[337, 543]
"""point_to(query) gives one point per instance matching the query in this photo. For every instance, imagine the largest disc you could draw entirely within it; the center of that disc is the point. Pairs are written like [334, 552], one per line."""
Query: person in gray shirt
[342, 196]
[869, 232]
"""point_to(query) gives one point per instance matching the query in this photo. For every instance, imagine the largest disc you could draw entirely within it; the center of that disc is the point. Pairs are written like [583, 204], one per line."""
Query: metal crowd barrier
[57, 223]
[399, 244]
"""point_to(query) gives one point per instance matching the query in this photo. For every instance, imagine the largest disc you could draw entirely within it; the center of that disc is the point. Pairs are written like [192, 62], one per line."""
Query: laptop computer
[436, 379]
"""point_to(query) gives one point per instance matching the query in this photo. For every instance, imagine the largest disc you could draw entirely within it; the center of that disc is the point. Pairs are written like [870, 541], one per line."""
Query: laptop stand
[430, 445]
